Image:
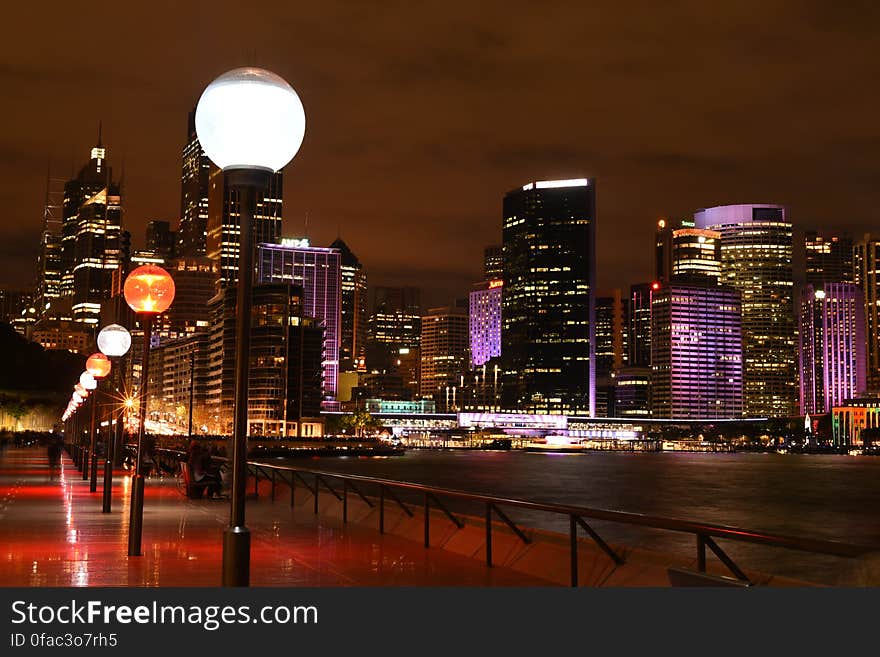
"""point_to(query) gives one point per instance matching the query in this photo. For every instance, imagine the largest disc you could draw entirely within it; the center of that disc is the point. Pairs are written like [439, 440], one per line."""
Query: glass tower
[548, 305]
[756, 260]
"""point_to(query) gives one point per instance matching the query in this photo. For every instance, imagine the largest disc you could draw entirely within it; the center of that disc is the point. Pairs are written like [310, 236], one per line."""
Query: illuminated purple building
[832, 346]
[317, 270]
[485, 321]
[696, 352]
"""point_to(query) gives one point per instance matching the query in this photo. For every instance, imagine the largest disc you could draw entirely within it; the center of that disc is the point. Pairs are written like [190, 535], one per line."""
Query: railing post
[317, 482]
[381, 509]
[574, 549]
[427, 521]
[701, 553]
[488, 535]
[345, 500]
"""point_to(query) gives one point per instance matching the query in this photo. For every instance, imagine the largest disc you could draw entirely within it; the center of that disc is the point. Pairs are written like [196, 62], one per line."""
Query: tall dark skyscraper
[353, 324]
[192, 235]
[866, 271]
[493, 263]
[639, 324]
[224, 222]
[548, 306]
[91, 179]
[829, 258]
[161, 240]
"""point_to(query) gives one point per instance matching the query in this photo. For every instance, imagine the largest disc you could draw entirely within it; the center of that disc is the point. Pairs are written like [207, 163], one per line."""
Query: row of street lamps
[250, 123]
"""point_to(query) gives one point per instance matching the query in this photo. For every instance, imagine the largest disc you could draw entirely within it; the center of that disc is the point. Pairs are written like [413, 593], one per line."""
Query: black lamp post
[251, 123]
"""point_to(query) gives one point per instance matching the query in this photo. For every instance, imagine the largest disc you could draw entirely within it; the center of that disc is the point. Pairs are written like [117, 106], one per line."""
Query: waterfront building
[443, 356]
[400, 406]
[394, 325]
[832, 346]
[195, 170]
[851, 419]
[353, 310]
[639, 324]
[317, 270]
[866, 274]
[828, 258]
[179, 376]
[632, 386]
[224, 222]
[548, 305]
[493, 263]
[285, 380]
[696, 352]
[756, 260]
[485, 321]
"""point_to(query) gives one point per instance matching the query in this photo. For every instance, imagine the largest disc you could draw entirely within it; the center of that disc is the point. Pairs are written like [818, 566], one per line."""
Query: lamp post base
[108, 484]
[236, 556]
[93, 482]
[136, 516]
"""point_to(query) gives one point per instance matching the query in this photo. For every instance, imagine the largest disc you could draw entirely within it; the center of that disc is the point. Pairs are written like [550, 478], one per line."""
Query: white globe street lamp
[251, 123]
[114, 341]
[87, 381]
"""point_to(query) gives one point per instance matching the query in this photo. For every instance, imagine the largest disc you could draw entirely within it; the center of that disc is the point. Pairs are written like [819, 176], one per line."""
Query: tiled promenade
[53, 533]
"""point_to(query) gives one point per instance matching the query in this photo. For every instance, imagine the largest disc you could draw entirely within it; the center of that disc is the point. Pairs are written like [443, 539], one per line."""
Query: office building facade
[548, 306]
[866, 274]
[317, 270]
[832, 346]
[444, 357]
[353, 310]
[756, 260]
[485, 321]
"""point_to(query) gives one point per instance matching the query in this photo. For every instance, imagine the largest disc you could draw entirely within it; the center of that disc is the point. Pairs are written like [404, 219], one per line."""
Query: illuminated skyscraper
[485, 321]
[49, 269]
[832, 346]
[97, 252]
[317, 271]
[829, 258]
[548, 311]
[493, 263]
[395, 322]
[866, 274]
[444, 357]
[756, 259]
[353, 329]
[696, 352]
[663, 246]
[224, 222]
[639, 324]
[92, 178]
[284, 397]
[195, 169]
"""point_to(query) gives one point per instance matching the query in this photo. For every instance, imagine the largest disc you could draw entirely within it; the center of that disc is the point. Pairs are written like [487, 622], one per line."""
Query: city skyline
[438, 117]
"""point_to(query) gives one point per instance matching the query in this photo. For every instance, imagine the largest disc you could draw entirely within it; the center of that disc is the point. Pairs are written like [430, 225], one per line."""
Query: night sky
[420, 116]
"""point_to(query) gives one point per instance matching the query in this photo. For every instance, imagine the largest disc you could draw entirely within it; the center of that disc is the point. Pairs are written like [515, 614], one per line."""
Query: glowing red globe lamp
[149, 289]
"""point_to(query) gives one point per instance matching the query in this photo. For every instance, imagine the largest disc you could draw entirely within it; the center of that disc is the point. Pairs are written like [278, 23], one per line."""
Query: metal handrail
[704, 532]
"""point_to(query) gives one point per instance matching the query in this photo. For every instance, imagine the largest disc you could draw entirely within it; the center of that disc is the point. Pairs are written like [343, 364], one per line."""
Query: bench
[192, 489]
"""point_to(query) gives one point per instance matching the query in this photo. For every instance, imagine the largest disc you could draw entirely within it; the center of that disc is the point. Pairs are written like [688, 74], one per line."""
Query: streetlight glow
[149, 289]
[98, 365]
[114, 340]
[88, 381]
[250, 118]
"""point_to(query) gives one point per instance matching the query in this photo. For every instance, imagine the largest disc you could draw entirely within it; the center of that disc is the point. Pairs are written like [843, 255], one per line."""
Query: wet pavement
[54, 533]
